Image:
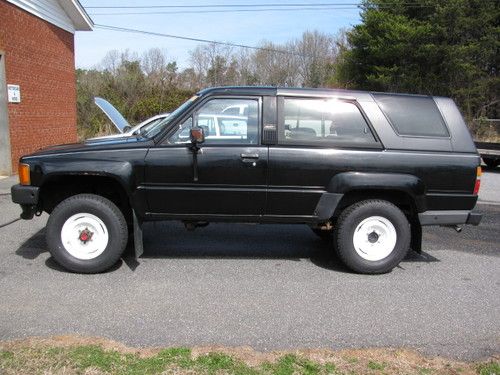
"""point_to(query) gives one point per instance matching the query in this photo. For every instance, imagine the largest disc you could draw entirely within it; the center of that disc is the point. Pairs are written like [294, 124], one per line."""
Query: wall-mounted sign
[14, 93]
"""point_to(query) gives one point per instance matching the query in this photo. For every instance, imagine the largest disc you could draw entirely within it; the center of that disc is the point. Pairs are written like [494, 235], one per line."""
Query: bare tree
[246, 73]
[158, 69]
[199, 65]
[188, 80]
[111, 61]
[212, 64]
[272, 67]
[315, 55]
[153, 61]
[308, 61]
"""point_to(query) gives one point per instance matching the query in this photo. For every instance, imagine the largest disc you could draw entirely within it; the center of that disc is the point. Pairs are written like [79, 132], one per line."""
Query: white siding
[48, 10]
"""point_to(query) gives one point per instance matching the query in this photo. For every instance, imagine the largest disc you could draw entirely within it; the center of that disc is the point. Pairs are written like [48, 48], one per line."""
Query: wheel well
[404, 201]
[58, 188]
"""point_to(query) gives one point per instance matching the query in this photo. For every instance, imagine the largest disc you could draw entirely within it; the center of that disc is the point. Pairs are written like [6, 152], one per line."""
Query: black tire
[353, 216]
[325, 235]
[491, 163]
[103, 209]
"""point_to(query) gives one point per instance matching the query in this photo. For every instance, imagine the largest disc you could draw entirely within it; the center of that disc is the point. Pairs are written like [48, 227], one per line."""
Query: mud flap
[138, 244]
[416, 236]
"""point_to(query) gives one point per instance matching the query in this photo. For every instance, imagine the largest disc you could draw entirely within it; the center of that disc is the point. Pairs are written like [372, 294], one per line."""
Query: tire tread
[102, 201]
[340, 228]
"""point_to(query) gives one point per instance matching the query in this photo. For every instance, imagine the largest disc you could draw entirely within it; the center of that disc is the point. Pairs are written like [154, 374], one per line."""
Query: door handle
[249, 156]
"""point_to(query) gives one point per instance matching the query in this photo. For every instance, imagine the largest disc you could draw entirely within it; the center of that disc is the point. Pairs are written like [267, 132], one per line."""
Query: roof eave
[75, 11]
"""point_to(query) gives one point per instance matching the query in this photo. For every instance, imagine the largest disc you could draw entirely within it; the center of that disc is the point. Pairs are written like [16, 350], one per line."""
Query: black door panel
[302, 174]
[231, 166]
[228, 184]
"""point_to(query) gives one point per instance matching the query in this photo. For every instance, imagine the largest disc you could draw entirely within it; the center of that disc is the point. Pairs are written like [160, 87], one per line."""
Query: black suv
[366, 169]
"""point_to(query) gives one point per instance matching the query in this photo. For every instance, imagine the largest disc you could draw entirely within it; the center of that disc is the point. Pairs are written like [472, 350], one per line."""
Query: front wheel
[372, 236]
[86, 233]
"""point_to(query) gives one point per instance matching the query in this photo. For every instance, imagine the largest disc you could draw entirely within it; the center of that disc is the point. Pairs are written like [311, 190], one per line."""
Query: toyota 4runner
[366, 169]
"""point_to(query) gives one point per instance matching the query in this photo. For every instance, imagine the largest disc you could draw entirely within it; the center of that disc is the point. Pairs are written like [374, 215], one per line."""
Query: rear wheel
[372, 236]
[86, 233]
[491, 163]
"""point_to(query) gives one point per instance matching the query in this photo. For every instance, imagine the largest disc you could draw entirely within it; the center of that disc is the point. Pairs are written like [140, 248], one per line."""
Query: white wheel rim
[374, 238]
[84, 236]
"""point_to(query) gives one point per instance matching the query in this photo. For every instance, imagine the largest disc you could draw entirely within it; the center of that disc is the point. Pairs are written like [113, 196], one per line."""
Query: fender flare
[345, 182]
[121, 172]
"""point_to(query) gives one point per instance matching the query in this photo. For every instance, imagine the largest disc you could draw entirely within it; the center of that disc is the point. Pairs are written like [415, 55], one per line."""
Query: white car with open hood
[121, 124]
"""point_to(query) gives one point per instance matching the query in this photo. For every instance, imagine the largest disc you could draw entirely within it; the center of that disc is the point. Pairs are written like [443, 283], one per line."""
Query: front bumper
[449, 217]
[27, 197]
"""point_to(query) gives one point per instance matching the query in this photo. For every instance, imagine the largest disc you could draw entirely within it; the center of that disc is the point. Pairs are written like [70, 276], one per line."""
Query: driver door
[231, 165]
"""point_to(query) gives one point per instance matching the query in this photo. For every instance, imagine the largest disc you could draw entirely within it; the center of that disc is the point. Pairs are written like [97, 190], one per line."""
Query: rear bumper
[449, 217]
[492, 154]
[27, 197]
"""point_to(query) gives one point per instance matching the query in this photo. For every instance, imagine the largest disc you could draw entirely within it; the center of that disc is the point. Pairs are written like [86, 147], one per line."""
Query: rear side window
[323, 121]
[413, 115]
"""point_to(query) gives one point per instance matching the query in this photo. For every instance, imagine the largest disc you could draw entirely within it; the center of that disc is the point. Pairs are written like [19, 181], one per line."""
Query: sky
[249, 28]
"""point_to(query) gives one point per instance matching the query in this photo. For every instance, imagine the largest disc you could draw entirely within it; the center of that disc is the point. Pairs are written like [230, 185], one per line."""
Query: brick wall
[40, 58]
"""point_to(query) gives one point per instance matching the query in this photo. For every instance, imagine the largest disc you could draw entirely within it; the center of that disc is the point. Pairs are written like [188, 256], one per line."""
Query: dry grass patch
[80, 355]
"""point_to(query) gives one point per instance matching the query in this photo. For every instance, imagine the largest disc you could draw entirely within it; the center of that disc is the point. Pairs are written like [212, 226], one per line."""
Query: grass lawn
[70, 355]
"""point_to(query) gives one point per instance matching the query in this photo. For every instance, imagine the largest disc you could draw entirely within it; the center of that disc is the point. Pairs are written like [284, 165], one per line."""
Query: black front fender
[121, 171]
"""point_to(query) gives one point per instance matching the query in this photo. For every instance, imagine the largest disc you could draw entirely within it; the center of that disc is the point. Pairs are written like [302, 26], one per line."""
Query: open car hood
[112, 113]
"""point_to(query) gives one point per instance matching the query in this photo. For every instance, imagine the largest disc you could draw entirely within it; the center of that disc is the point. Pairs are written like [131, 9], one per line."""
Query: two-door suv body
[366, 169]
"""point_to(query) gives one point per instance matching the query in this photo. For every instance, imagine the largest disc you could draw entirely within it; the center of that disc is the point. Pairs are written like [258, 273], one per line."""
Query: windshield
[155, 129]
[148, 126]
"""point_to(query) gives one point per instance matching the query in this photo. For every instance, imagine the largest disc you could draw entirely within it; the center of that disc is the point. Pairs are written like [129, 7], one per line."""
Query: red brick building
[37, 75]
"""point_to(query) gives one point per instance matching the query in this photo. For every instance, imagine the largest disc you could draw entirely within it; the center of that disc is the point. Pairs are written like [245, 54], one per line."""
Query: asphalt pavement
[265, 286]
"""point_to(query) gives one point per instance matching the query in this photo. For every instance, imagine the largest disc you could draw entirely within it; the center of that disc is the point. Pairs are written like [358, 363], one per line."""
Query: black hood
[91, 145]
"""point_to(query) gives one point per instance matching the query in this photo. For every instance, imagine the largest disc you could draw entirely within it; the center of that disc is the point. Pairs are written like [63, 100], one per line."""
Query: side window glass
[225, 121]
[181, 135]
[323, 121]
[414, 116]
[230, 121]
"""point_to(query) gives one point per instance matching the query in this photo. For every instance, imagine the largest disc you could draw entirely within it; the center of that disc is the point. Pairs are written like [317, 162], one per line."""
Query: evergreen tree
[445, 47]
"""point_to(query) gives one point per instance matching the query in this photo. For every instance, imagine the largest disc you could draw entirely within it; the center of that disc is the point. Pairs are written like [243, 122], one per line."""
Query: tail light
[24, 174]
[479, 172]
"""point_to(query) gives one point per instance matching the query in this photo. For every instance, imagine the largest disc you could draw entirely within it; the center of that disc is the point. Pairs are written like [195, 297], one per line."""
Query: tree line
[141, 86]
[449, 48]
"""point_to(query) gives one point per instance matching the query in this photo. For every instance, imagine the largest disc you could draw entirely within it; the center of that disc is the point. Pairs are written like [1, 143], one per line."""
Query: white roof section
[69, 15]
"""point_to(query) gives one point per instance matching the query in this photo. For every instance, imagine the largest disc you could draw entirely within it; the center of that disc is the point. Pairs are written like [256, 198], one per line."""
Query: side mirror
[126, 129]
[197, 135]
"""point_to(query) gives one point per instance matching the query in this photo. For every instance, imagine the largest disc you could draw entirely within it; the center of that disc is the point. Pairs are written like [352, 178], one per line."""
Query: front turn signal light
[24, 174]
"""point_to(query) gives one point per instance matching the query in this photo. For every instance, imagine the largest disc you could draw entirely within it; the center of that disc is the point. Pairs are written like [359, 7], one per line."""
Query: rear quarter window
[323, 122]
[416, 116]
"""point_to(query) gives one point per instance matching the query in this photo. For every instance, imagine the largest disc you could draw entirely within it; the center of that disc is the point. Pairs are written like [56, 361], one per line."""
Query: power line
[123, 29]
[219, 11]
[248, 10]
[218, 6]
[277, 5]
